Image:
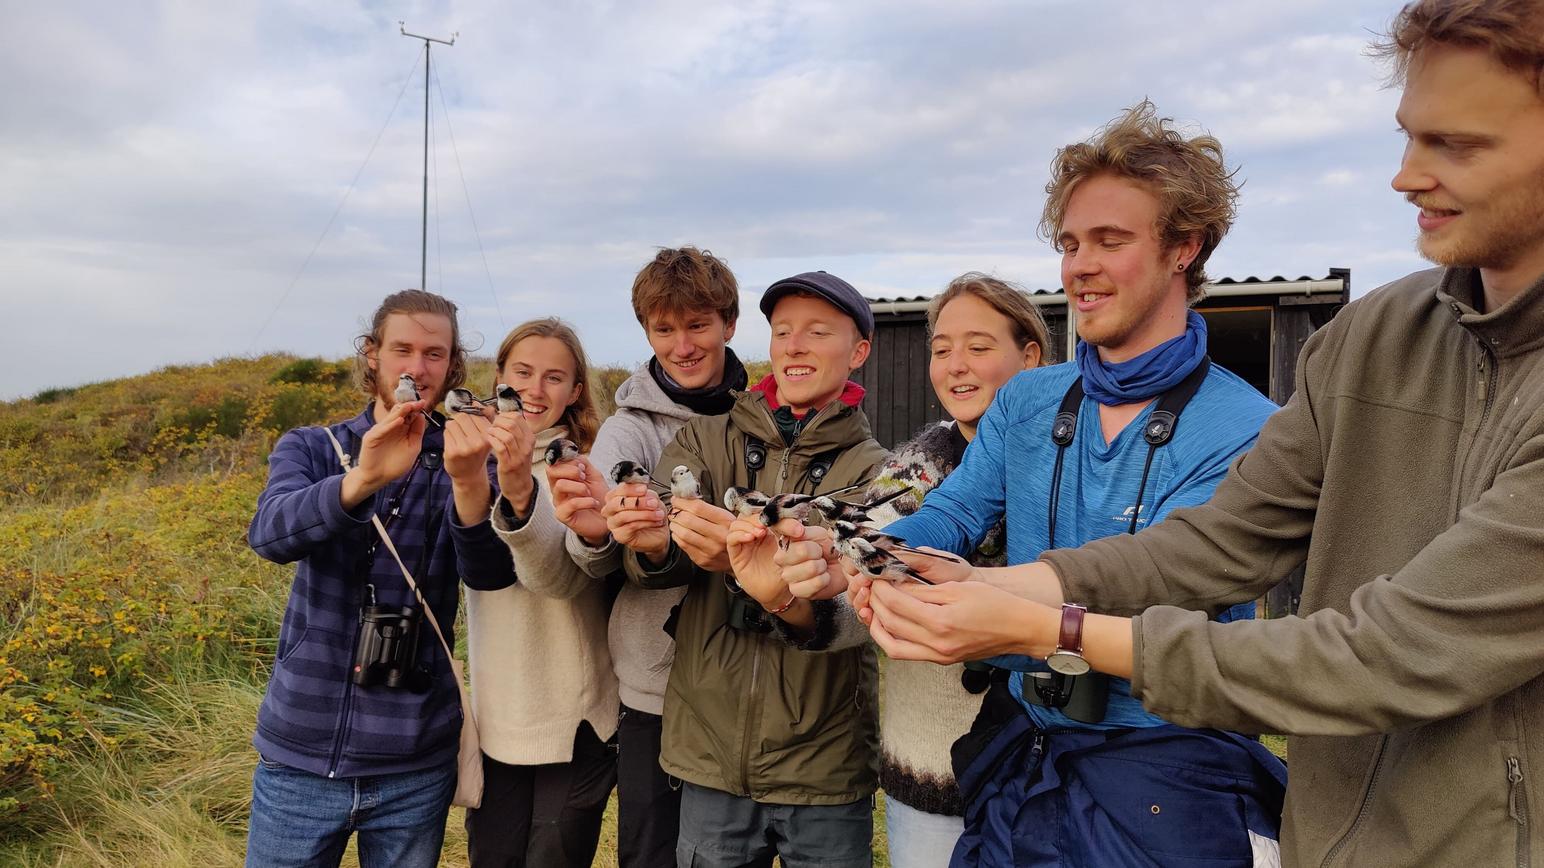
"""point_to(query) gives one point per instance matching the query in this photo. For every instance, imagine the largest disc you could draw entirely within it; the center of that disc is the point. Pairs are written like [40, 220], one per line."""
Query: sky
[168, 169]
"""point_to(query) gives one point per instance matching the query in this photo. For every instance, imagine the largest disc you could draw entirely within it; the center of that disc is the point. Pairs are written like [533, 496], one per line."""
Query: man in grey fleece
[687, 301]
[1407, 473]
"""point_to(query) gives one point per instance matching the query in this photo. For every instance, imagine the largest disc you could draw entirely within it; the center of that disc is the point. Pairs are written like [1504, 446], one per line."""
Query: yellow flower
[98, 671]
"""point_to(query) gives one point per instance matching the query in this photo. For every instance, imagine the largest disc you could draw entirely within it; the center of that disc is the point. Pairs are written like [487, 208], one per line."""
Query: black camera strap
[469, 784]
[1158, 431]
[1083, 697]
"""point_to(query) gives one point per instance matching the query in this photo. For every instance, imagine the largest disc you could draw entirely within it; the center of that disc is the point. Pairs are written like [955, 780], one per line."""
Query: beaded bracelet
[785, 607]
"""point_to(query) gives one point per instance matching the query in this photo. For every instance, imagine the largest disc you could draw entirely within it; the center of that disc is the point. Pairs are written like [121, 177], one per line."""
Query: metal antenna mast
[423, 268]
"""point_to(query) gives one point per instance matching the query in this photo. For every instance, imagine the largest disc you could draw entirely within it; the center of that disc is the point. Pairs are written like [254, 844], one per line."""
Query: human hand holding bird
[386, 452]
[751, 547]
[636, 519]
[466, 462]
[578, 493]
[957, 621]
[700, 529]
[511, 440]
[811, 566]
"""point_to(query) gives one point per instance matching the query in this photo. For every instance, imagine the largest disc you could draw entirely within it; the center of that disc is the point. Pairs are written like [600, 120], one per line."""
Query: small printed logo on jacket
[1125, 516]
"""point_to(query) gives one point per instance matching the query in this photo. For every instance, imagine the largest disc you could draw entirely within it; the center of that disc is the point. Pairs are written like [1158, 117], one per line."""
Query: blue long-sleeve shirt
[1007, 472]
[313, 717]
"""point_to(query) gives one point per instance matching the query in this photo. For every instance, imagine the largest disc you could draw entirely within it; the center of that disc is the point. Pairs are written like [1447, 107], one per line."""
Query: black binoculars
[387, 651]
[745, 614]
[1080, 697]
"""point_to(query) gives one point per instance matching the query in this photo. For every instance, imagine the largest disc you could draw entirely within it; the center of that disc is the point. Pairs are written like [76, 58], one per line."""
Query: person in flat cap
[777, 746]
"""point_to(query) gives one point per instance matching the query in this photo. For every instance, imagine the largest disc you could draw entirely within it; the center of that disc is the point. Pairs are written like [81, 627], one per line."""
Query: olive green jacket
[763, 715]
[1407, 472]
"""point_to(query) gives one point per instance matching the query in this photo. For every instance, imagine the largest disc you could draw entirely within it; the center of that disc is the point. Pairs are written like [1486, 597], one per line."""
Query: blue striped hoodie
[313, 717]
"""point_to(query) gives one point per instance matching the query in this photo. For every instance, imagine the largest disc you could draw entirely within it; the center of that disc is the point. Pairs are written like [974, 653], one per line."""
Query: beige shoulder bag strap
[469, 769]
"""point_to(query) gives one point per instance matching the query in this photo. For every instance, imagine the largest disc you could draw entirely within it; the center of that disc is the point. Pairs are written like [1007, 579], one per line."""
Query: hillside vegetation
[136, 627]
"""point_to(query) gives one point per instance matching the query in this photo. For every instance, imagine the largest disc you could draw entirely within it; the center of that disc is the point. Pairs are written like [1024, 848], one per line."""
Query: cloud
[169, 168]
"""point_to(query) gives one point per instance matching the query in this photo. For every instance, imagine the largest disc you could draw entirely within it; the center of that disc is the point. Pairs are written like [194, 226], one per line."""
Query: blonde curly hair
[1196, 192]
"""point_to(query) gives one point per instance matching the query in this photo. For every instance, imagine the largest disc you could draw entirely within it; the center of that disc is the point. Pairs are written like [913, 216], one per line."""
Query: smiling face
[1474, 164]
[814, 348]
[542, 370]
[1128, 289]
[418, 344]
[973, 355]
[690, 346]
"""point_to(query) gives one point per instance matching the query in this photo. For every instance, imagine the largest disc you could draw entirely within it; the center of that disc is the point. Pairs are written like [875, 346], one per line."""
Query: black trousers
[648, 806]
[543, 816]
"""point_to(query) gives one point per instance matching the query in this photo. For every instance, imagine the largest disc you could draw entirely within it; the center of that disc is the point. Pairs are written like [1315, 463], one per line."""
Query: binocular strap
[469, 778]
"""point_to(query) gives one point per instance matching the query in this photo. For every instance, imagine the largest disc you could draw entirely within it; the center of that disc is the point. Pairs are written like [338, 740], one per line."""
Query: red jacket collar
[852, 393]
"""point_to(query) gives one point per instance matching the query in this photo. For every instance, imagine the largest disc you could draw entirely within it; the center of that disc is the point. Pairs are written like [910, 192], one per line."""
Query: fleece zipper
[1361, 814]
[1517, 808]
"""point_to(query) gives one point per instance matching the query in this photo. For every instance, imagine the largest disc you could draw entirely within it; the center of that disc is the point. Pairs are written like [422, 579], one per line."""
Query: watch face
[1067, 663]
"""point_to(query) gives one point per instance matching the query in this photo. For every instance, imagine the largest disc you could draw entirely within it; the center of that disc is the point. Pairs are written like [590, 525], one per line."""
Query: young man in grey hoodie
[687, 301]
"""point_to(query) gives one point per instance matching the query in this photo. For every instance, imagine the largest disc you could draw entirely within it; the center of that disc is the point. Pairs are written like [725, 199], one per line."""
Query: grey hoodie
[646, 420]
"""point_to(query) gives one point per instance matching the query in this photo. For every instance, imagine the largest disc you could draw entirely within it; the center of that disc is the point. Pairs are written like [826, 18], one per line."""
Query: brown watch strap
[1071, 637]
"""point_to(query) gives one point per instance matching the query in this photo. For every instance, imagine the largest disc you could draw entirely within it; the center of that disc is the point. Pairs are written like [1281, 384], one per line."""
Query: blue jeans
[719, 830]
[919, 839]
[301, 819]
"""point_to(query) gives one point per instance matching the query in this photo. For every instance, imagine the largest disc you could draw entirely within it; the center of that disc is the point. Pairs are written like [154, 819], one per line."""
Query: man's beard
[1509, 228]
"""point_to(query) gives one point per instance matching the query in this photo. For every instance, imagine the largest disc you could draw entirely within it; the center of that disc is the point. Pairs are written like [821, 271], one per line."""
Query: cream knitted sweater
[923, 708]
[538, 647]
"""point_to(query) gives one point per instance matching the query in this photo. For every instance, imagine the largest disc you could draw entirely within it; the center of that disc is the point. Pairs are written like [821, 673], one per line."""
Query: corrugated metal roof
[1264, 282]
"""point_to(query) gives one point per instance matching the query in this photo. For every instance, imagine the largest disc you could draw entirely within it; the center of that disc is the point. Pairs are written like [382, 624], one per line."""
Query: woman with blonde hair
[542, 682]
[982, 331]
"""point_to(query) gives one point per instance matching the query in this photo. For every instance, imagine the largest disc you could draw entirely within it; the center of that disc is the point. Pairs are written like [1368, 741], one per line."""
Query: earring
[1180, 266]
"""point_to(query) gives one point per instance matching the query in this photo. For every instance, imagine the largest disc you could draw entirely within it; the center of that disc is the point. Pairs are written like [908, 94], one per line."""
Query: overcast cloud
[166, 168]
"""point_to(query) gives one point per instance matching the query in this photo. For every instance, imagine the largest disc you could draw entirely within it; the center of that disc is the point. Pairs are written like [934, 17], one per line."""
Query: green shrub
[50, 396]
[313, 370]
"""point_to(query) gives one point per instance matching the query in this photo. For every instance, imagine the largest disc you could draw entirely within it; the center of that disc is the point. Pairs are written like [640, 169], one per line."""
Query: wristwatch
[1067, 659]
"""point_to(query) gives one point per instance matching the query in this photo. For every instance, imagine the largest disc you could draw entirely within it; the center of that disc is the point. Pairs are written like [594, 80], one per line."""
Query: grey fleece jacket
[1407, 472]
[646, 420]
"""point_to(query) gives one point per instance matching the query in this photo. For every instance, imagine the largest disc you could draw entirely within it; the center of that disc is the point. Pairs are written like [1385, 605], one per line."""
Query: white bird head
[508, 399]
[683, 483]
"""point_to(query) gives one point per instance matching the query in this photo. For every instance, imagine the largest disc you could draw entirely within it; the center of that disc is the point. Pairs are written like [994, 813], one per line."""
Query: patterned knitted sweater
[923, 707]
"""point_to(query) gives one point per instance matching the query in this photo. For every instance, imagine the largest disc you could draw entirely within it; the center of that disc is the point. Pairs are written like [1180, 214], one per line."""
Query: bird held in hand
[561, 450]
[834, 510]
[625, 471]
[463, 401]
[744, 502]
[507, 398]
[875, 562]
[683, 484]
[407, 390]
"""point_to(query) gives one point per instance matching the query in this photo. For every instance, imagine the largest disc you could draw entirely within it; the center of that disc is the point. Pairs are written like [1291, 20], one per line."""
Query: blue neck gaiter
[1148, 375]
